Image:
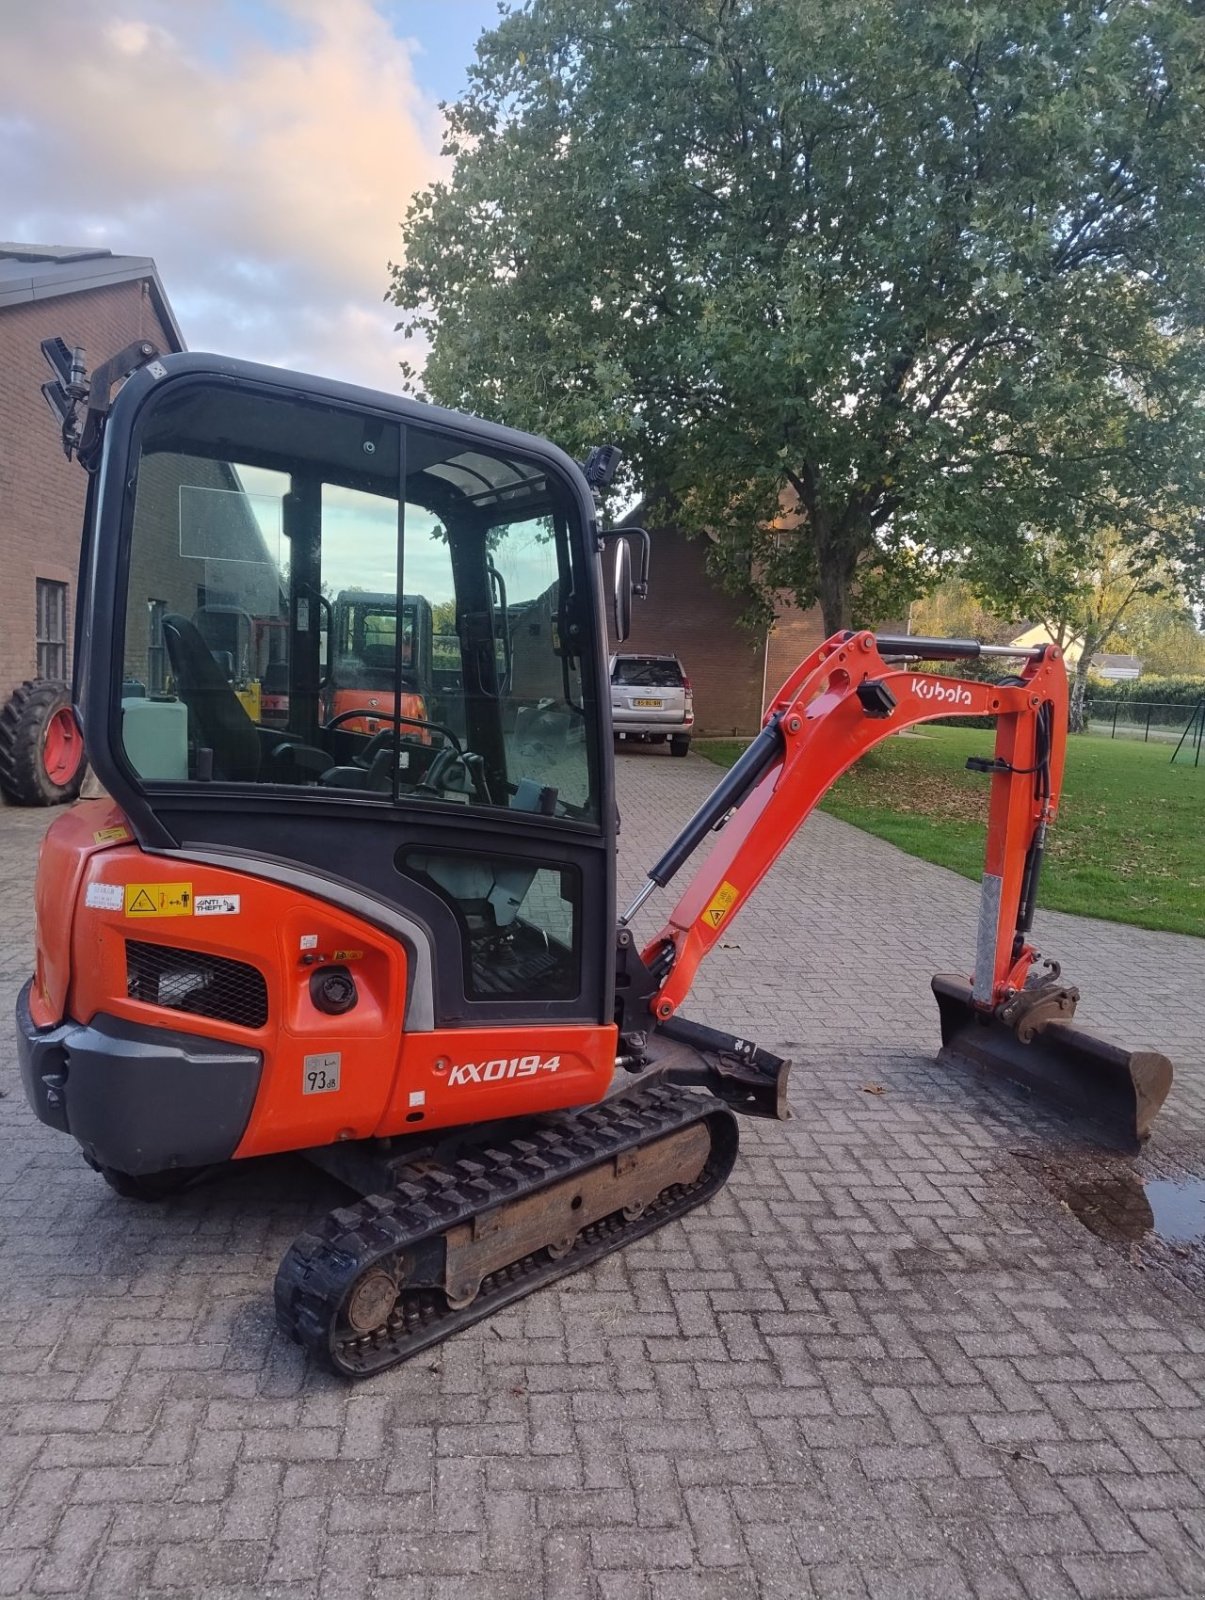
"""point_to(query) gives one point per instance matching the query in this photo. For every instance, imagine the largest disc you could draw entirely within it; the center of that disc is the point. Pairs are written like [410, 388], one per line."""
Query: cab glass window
[520, 921]
[319, 598]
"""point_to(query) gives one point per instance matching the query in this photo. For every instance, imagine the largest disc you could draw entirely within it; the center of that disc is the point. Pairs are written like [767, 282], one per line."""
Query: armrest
[299, 758]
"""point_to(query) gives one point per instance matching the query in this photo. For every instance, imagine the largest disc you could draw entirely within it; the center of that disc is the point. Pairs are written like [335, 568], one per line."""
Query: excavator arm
[847, 696]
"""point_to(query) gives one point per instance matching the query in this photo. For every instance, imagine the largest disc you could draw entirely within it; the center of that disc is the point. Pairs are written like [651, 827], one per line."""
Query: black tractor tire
[149, 1185]
[36, 719]
[679, 744]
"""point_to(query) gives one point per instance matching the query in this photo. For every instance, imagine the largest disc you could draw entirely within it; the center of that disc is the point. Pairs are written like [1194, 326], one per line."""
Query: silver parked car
[651, 700]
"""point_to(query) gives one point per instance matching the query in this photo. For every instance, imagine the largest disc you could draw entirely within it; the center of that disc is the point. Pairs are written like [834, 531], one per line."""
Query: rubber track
[322, 1265]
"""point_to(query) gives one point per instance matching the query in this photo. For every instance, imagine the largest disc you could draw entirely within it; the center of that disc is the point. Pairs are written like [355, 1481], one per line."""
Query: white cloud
[265, 170]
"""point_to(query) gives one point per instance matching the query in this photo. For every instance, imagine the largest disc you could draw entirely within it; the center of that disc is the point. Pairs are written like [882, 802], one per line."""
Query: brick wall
[41, 492]
[688, 615]
[795, 634]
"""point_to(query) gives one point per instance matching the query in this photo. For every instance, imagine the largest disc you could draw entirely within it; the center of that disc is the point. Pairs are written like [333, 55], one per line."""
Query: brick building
[85, 297]
[733, 671]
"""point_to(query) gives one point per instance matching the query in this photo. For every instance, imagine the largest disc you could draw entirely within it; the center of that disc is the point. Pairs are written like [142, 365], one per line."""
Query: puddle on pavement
[1179, 1208]
[1120, 1207]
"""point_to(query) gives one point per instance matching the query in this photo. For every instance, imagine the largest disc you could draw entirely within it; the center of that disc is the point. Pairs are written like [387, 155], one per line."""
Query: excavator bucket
[1114, 1093]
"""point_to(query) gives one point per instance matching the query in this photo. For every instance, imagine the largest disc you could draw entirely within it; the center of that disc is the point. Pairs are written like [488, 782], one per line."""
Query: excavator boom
[1009, 1015]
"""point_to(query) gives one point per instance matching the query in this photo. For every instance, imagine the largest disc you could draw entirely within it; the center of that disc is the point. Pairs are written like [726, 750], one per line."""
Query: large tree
[1129, 530]
[1085, 587]
[905, 268]
[1165, 635]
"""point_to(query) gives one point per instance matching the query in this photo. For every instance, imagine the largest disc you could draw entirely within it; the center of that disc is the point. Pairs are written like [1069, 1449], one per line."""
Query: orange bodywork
[92, 879]
[75, 837]
[412, 705]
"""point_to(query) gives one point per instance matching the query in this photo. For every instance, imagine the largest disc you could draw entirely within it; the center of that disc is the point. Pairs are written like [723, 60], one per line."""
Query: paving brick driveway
[886, 1361]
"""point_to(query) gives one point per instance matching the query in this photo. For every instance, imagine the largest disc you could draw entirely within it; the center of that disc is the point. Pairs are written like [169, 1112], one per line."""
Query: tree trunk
[1077, 721]
[837, 563]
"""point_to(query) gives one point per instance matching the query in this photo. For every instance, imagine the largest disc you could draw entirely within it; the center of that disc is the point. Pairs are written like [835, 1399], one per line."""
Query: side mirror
[625, 585]
[621, 598]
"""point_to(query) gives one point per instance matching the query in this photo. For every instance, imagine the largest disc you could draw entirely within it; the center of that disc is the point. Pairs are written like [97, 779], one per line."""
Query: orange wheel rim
[62, 747]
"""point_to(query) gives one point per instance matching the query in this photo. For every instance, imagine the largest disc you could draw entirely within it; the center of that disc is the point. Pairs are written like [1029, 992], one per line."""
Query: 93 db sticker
[320, 1074]
[720, 904]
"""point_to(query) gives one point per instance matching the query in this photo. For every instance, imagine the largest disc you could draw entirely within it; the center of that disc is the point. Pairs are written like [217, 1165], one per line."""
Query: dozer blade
[1115, 1093]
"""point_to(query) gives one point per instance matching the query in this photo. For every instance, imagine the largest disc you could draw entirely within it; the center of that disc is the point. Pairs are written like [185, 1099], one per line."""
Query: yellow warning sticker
[158, 899]
[721, 904]
[348, 955]
[116, 835]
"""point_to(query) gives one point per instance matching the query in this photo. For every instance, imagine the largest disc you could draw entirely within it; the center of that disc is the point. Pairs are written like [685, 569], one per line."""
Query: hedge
[1152, 689]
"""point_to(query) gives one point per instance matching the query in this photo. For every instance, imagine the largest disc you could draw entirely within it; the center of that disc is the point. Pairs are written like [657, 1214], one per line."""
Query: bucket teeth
[1113, 1093]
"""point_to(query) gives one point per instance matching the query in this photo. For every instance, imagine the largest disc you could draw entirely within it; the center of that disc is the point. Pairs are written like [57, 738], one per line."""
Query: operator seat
[221, 721]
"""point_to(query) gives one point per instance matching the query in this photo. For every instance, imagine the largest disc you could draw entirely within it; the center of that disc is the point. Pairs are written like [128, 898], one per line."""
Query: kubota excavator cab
[360, 653]
[479, 851]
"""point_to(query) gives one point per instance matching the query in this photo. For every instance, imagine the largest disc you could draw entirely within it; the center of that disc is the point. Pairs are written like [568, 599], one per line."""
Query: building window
[156, 653]
[52, 629]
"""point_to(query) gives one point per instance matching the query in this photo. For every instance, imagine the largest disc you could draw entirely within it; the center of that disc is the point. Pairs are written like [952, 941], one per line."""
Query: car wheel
[679, 744]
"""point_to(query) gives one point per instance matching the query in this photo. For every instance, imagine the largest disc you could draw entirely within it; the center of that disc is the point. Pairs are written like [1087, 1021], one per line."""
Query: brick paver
[886, 1361]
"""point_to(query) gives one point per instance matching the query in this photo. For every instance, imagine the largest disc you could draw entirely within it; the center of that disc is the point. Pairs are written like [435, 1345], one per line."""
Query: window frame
[575, 555]
[46, 590]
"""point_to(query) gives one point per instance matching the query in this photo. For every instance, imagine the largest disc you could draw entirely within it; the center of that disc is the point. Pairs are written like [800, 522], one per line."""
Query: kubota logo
[930, 689]
[502, 1067]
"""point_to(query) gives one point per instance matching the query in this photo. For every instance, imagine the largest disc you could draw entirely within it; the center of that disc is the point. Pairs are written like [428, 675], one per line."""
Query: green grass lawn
[1129, 844]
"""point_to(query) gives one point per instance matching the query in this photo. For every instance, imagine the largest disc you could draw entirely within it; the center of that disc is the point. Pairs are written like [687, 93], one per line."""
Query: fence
[1164, 720]
[1194, 735]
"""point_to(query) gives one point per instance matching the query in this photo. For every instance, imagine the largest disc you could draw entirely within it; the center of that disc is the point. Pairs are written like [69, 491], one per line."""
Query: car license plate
[654, 704]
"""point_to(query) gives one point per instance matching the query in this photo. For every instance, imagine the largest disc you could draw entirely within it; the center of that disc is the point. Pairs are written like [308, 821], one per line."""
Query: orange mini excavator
[398, 951]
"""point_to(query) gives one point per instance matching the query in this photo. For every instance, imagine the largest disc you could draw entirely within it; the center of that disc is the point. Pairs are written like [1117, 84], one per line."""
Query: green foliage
[1171, 698]
[922, 269]
[1163, 634]
[953, 611]
[1087, 584]
[1150, 687]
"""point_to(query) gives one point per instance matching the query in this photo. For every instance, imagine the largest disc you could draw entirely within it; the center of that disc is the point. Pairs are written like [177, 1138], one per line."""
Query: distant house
[1116, 667]
[103, 302]
[734, 672]
[1104, 665]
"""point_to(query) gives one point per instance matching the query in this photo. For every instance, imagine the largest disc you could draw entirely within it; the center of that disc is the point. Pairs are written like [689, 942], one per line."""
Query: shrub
[1168, 701]
[1162, 691]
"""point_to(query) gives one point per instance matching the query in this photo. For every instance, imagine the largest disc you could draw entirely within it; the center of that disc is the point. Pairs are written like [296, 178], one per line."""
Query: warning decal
[158, 899]
[721, 904]
[115, 835]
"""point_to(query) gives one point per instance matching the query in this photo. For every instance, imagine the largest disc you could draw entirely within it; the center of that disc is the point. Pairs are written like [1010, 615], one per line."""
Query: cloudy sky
[263, 151]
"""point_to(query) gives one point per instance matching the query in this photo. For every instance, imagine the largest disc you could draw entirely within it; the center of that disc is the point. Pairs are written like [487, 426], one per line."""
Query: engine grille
[202, 985]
